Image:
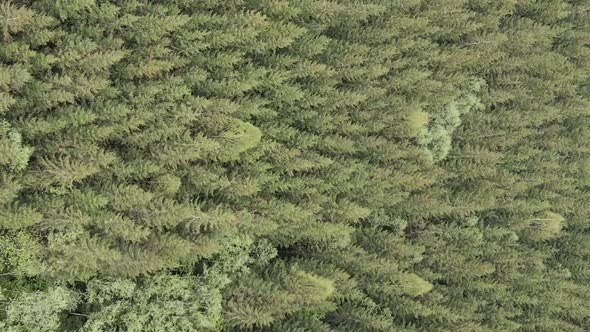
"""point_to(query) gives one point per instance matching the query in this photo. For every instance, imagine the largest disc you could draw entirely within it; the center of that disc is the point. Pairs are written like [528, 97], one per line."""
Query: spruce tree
[277, 165]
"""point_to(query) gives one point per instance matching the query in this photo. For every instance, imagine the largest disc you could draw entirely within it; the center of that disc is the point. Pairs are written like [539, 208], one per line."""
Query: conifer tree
[277, 165]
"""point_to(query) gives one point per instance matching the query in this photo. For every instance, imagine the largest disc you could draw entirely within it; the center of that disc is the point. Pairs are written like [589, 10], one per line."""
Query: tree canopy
[295, 165]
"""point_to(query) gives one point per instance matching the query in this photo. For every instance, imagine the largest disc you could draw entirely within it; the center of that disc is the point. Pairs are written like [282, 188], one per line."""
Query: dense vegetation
[295, 165]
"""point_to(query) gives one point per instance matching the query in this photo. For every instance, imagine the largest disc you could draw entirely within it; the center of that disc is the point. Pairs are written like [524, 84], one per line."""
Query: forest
[295, 165]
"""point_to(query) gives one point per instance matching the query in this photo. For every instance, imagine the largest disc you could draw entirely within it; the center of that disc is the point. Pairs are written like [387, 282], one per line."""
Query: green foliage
[19, 253]
[160, 303]
[312, 165]
[439, 136]
[14, 19]
[13, 154]
[40, 310]
[237, 138]
[258, 300]
[546, 226]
